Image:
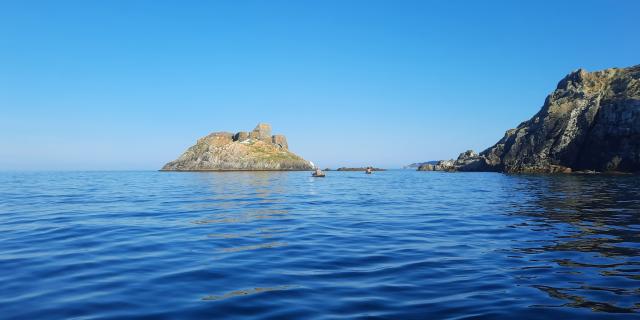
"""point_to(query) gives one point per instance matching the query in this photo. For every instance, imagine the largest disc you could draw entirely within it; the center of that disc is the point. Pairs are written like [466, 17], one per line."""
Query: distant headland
[255, 150]
[590, 123]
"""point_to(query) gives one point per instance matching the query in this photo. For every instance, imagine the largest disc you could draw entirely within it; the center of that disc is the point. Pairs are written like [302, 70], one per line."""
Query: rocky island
[256, 150]
[590, 123]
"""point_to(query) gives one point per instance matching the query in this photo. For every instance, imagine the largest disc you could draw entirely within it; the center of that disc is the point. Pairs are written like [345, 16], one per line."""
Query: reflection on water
[246, 292]
[395, 244]
[258, 233]
[243, 217]
[589, 229]
[255, 246]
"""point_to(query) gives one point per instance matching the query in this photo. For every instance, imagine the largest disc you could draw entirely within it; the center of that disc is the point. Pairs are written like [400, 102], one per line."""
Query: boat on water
[318, 174]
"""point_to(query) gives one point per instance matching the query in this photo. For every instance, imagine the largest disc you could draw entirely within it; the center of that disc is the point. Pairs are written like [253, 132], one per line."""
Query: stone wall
[261, 132]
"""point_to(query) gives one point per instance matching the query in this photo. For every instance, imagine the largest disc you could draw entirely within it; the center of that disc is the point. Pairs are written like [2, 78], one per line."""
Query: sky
[129, 85]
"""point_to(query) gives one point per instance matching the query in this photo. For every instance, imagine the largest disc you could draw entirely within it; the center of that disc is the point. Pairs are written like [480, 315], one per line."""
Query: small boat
[318, 174]
[369, 170]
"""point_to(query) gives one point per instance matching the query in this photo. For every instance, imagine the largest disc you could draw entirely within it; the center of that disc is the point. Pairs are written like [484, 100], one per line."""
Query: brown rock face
[257, 150]
[590, 122]
[280, 140]
[217, 138]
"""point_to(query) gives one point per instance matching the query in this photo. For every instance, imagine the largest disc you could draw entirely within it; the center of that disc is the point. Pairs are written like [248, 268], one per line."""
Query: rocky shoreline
[589, 124]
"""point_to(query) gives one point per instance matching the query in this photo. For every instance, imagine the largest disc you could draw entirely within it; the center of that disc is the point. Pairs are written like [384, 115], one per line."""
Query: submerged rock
[591, 122]
[255, 150]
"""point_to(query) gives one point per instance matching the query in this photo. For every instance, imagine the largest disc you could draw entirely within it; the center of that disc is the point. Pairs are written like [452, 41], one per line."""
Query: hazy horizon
[131, 85]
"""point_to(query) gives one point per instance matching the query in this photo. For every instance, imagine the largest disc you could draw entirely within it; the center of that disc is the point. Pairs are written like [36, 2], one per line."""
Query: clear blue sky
[131, 84]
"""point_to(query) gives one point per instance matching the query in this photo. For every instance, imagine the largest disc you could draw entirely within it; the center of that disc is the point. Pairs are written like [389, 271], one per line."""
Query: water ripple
[280, 245]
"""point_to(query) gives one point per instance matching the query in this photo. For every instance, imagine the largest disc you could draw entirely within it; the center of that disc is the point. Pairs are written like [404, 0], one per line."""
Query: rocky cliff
[591, 122]
[254, 150]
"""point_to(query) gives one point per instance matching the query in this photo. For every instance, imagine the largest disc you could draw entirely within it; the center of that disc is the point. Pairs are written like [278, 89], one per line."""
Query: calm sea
[269, 245]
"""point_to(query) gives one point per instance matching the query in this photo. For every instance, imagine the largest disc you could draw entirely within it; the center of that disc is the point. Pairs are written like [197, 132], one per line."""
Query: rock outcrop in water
[417, 165]
[255, 150]
[359, 169]
[591, 122]
[467, 161]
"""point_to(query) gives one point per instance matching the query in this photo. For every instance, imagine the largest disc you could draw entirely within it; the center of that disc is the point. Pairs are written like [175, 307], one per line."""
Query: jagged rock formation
[467, 161]
[255, 150]
[416, 165]
[591, 122]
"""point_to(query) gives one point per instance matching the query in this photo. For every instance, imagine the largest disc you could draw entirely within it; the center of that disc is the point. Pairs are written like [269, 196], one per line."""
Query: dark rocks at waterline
[419, 164]
[590, 123]
[466, 161]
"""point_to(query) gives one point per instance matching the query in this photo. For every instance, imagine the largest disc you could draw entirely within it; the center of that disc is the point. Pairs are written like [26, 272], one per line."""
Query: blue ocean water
[282, 245]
